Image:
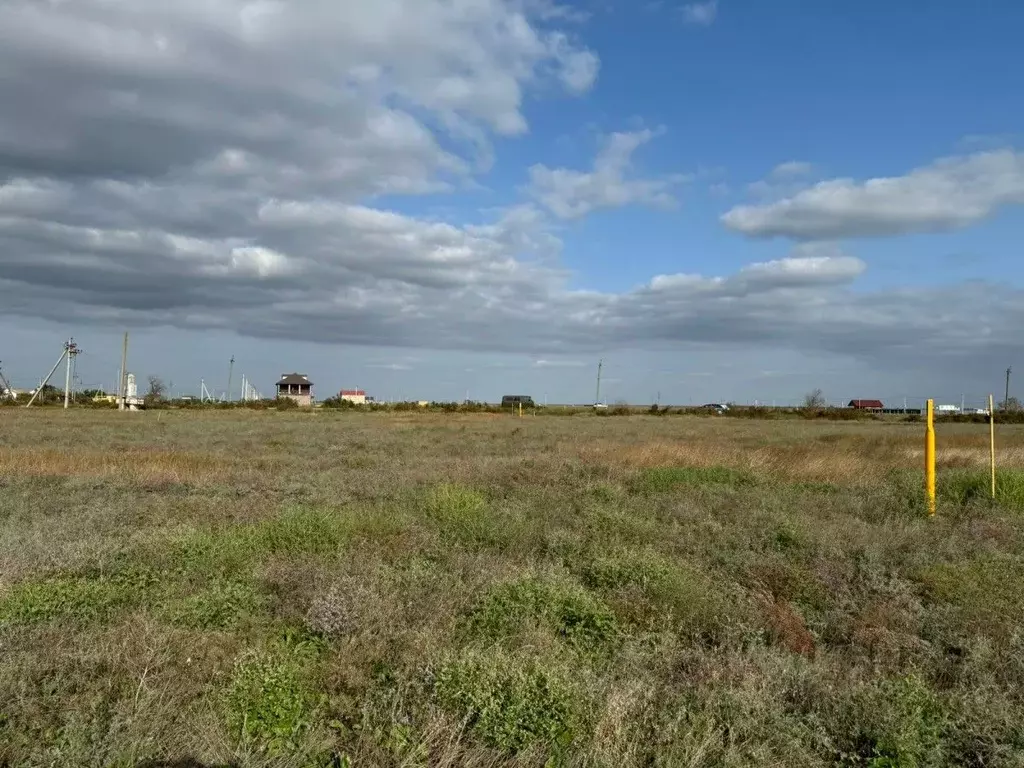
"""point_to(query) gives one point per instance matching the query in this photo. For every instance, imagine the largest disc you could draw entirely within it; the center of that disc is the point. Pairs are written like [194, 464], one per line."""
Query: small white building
[356, 396]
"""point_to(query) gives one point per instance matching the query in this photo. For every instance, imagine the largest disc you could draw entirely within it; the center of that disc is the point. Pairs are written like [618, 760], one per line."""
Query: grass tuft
[574, 615]
[462, 514]
[509, 702]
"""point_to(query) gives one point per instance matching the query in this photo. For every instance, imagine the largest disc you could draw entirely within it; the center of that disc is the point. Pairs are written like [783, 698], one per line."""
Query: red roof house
[867, 405]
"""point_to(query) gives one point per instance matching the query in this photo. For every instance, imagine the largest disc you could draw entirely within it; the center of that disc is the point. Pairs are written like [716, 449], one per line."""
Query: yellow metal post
[520, 410]
[929, 456]
[992, 442]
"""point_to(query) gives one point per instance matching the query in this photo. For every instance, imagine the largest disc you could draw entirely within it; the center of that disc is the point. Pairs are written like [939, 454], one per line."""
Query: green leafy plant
[509, 702]
[269, 705]
[221, 604]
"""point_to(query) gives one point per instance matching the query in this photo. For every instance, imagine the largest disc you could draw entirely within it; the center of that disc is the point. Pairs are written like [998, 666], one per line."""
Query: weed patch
[461, 513]
[77, 598]
[233, 550]
[898, 722]
[509, 702]
[219, 605]
[270, 705]
[575, 616]
[983, 593]
[652, 591]
[666, 479]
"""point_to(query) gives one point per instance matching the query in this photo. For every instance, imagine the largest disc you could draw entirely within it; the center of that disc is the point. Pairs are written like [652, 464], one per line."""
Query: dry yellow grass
[143, 466]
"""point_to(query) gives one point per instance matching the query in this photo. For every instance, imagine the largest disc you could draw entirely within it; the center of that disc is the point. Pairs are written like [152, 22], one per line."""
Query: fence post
[929, 457]
[992, 443]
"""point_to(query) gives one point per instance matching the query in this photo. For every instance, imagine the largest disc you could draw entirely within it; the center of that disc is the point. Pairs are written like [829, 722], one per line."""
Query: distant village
[299, 389]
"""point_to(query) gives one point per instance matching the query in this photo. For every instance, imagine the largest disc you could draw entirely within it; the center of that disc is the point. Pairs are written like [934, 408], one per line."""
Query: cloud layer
[949, 194]
[219, 164]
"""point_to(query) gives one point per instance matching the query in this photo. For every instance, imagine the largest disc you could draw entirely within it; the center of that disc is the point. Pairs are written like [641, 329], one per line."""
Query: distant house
[296, 387]
[867, 405]
[357, 396]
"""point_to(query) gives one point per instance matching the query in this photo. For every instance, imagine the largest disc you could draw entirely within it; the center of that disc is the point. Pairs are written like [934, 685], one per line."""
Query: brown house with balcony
[296, 387]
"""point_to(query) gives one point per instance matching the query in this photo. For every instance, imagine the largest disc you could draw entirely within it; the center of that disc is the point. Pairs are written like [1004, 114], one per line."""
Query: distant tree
[156, 388]
[815, 399]
[89, 394]
[1010, 404]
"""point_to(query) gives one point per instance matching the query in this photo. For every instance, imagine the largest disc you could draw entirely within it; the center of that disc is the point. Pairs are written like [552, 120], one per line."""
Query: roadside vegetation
[343, 588]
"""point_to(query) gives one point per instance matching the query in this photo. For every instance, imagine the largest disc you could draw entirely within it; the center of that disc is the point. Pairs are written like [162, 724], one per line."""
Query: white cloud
[573, 194]
[792, 168]
[313, 95]
[798, 271]
[949, 194]
[701, 14]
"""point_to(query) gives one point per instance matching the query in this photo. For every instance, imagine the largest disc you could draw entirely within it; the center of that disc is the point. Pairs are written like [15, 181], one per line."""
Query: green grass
[342, 588]
[572, 614]
[510, 702]
[220, 604]
[666, 479]
[960, 487]
[292, 533]
[79, 598]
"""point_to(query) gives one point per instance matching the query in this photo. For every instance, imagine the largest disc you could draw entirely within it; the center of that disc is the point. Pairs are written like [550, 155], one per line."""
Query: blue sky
[724, 200]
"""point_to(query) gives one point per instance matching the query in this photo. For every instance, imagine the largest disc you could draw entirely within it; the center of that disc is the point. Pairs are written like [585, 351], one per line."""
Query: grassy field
[315, 589]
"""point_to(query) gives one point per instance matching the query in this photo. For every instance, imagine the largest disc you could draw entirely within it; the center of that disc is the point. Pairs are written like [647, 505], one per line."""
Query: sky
[729, 200]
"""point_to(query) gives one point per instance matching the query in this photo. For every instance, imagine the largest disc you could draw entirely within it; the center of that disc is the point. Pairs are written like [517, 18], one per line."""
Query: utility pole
[231, 372]
[597, 397]
[121, 386]
[70, 351]
[7, 391]
[47, 379]
[1006, 399]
